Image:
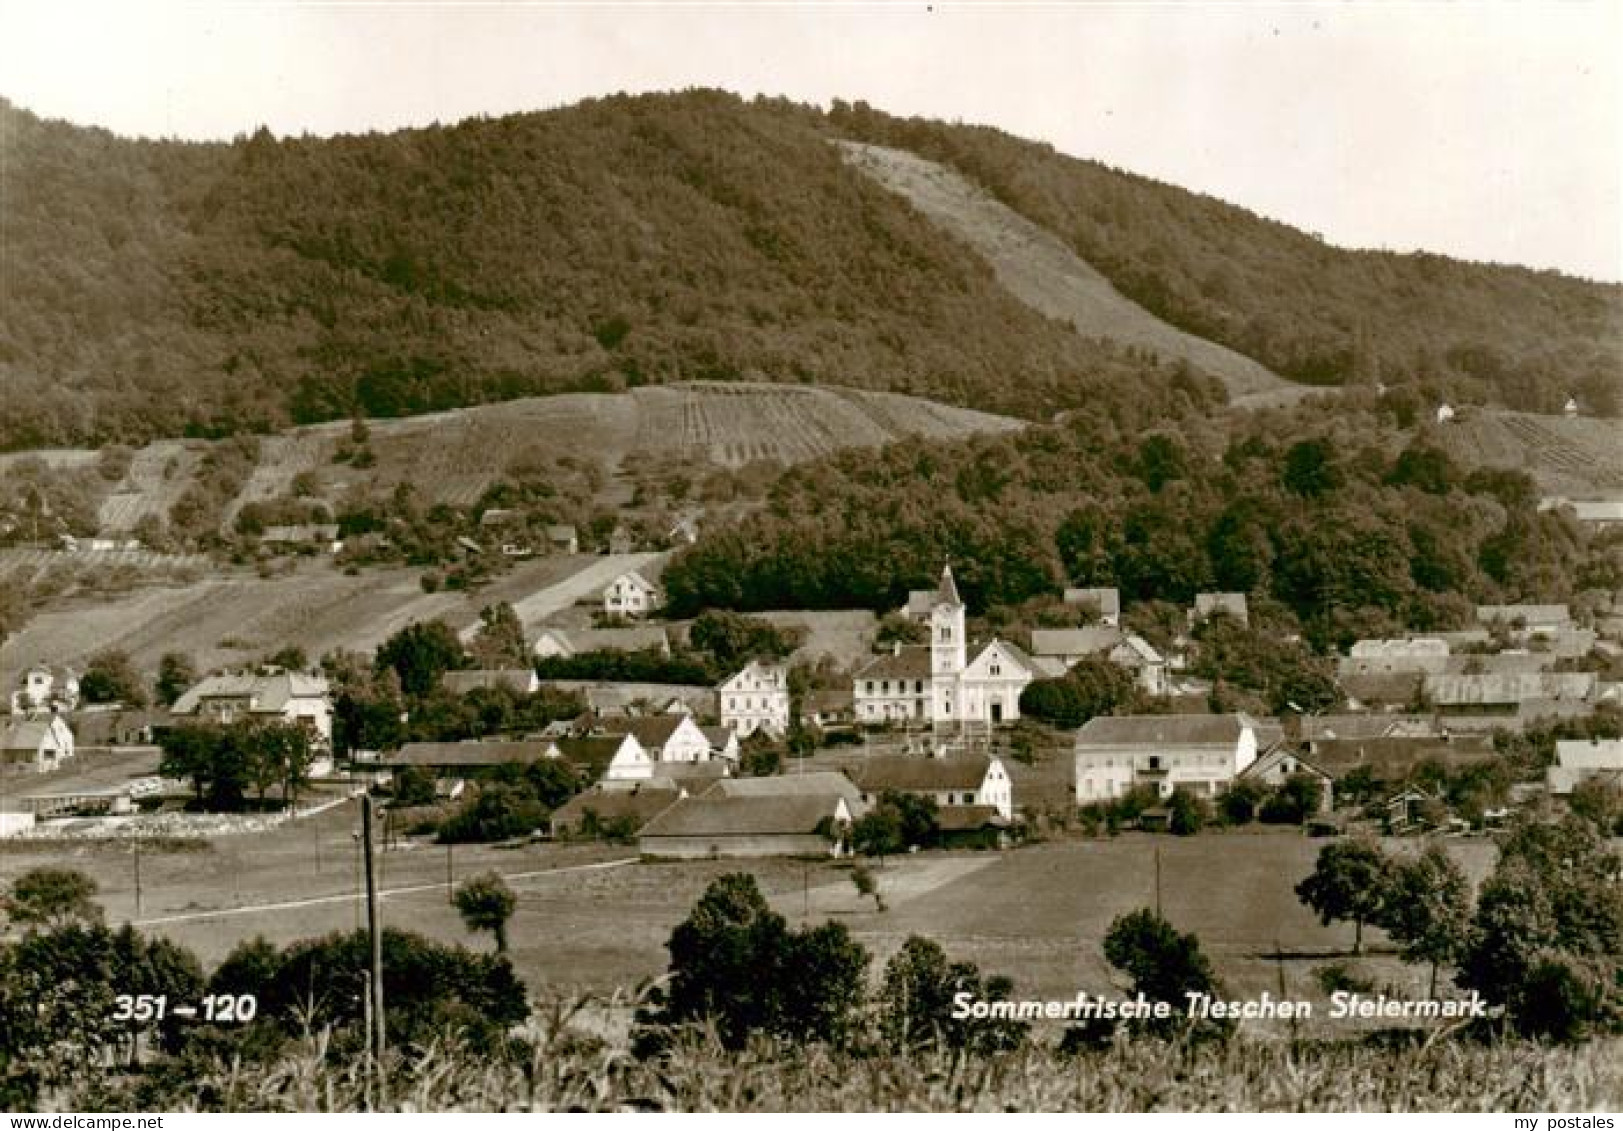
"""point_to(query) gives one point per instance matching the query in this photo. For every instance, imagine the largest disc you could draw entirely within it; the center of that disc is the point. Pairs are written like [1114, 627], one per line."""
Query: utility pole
[1158, 881]
[378, 1026]
[450, 894]
[137, 845]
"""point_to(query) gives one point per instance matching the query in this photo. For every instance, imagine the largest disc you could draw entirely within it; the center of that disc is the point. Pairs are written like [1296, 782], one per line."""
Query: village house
[1107, 601]
[520, 681]
[716, 826]
[756, 698]
[1209, 604]
[1393, 760]
[723, 743]
[1531, 618]
[668, 738]
[1506, 694]
[608, 700]
[936, 683]
[1200, 752]
[37, 745]
[1419, 654]
[562, 539]
[309, 535]
[950, 782]
[605, 758]
[45, 688]
[291, 696]
[1124, 649]
[1278, 764]
[575, 641]
[1578, 761]
[630, 595]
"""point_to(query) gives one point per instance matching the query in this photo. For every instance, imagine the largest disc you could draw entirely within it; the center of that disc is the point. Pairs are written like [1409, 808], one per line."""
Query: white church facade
[937, 683]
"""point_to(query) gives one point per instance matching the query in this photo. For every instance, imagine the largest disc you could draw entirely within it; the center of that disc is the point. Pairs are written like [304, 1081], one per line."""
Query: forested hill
[162, 288]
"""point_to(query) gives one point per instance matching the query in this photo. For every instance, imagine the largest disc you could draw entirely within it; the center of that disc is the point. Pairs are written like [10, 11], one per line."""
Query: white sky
[1492, 131]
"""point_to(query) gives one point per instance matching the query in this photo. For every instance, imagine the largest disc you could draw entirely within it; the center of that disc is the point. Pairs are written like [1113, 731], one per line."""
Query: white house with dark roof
[630, 595]
[293, 696]
[1202, 753]
[949, 782]
[756, 698]
[668, 737]
[1127, 650]
[938, 683]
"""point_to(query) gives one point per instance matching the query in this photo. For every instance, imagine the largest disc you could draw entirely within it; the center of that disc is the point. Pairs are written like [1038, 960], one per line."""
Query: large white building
[292, 696]
[937, 683]
[756, 698]
[1201, 753]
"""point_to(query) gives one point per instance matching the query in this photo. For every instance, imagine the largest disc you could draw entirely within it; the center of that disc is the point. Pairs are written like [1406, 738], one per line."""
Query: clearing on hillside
[1039, 269]
[1575, 456]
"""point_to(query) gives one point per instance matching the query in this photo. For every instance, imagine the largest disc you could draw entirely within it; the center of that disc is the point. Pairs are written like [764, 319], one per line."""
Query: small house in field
[949, 782]
[520, 681]
[719, 826]
[756, 698]
[562, 539]
[631, 595]
[35, 746]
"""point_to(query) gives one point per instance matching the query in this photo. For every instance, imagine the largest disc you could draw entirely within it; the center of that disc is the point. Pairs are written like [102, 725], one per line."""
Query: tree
[867, 885]
[419, 654]
[1297, 798]
[1427, 909]
[1188, 813]
[735, 963]
[1348, 882]
[499, 641]
[1164, 964]
[878, 832]
[486, 903]
[1093, 686]
[1239, 802]
[916, 1000]
[109, 677]
[414, 785]
[1310, 468]
[1547, 938]
[52, 898]
[176, 673]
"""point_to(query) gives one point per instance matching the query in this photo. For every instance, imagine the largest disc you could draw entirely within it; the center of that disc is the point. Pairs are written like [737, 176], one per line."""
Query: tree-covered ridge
[1315, 313]
[159, 289]
[1302, 509]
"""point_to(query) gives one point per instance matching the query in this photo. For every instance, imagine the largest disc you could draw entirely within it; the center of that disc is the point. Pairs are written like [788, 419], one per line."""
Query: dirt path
[543, 603]
[1043, 272]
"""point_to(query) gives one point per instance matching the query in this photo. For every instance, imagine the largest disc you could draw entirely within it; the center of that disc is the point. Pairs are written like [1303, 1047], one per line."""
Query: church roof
[947, 592]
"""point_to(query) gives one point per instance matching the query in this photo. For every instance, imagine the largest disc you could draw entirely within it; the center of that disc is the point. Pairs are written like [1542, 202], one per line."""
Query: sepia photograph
[875, 556]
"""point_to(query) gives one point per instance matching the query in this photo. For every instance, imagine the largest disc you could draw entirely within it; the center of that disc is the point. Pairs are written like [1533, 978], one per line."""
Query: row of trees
[226, 761]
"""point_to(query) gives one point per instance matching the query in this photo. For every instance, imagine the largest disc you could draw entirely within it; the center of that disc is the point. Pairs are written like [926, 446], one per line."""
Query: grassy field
[1037, 914]
[226, 620]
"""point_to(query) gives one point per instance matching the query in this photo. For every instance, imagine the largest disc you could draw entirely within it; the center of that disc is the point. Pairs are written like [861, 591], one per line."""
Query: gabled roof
[1394, 759]
[1164, 730]
[632, 638]
[743, 816]
[947, 592]
[462, 682]
[1594, 754]
[640, 805]
[776, 672]
[27, 735]
[817, 783]
[653, 731]
[1315, 728]
[1075, 641]
[1474, 690]
[591, 753]
[912, 661]
[1268, 758]
[269, 692]
[919, 603]
[719, 738]
[634, 578]
[968, 818]
[465, 755]
[920, 775]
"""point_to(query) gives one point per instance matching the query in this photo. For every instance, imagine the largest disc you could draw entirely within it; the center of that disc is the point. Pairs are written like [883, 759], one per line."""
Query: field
[1572, 456]
[1040, 270]
[1037, 914]
[226, 620]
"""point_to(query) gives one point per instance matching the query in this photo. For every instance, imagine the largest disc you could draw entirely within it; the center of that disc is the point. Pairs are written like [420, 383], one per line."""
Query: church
[937, 683]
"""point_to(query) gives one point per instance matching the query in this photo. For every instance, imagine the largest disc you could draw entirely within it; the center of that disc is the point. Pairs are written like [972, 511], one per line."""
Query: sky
[1489, 131]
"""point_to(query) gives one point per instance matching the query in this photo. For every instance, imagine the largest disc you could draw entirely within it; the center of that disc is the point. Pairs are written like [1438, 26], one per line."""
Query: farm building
[613, 812]
[1277, 764]
[756, 698]
[1209, 604]
[949, 782]
[972, 826]
[1393, 761]
[314, 535]
[1202, 752]
[1581, 761]
[828, 706]
[630, 595]
[750, 826]
[452, 759]
[45, 687]
[723, 743]
[1425, 655]
[1384, 691]
[1107, 601]
[609, 700]
[37, 745]
[520, 681]
[634, 638]
[937, 682]
[1505, 694]
[117, 727]
[816, 783]
[1533, 618]
[1124, 649]
[562, 539]
[292, 696]
[1314, 728]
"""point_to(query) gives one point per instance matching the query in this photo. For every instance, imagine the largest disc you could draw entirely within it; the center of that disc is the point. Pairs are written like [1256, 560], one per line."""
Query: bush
[496, 812]
[1165, 965]
[916, 1003]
